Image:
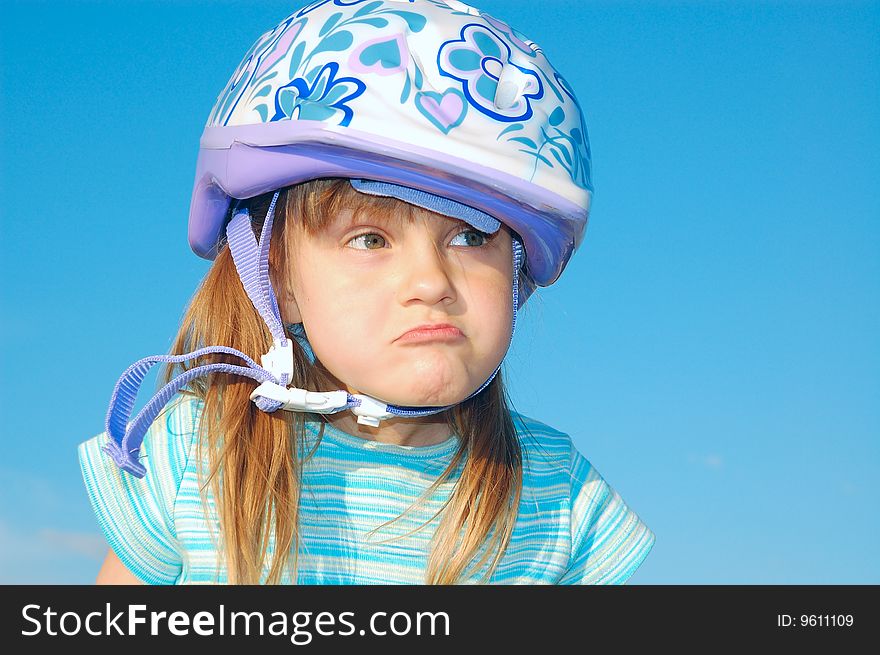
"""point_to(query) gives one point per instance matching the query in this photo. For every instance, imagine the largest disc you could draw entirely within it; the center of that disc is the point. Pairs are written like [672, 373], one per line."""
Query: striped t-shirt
[572, 527]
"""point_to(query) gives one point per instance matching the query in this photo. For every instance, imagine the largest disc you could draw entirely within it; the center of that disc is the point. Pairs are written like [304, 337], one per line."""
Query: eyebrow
[366, 215]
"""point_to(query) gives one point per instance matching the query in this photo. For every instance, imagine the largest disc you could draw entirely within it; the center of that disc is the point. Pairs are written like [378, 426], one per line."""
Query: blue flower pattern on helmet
[265, 53]
[569, 149]
[316, 64]
[476, 59]
[319, 100]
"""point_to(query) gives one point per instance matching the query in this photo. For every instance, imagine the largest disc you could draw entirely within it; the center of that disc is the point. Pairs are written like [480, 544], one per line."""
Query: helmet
[484, 129]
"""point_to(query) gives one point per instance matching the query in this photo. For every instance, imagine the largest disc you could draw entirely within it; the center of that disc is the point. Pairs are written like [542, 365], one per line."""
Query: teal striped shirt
[572, 527]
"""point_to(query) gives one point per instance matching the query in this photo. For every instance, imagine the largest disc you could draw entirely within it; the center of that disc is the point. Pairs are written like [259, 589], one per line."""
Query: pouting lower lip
[445, 333]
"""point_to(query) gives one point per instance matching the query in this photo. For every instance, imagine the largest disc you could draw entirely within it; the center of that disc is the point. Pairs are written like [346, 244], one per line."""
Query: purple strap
[252, 262]
[126, 438]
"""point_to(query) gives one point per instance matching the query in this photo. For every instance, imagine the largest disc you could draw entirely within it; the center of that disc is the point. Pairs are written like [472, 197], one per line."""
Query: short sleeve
[609, 540]
[136, 515]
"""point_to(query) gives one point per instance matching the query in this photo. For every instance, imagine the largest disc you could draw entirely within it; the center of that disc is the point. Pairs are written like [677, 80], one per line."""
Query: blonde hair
[255, 457]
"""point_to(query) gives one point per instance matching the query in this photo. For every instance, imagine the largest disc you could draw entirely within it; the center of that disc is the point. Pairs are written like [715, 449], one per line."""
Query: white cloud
[87, 544]
[849, 488]
[40, 492]
[49, 555]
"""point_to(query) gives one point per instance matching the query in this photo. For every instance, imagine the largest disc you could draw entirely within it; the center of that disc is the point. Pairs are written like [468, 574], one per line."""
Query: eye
[371, 241]
[473, 238]
[374, 241]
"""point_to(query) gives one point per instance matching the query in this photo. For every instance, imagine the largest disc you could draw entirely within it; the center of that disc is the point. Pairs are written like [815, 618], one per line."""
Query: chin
[425, 397]
[418, 400]
[428, 383]
[437, 395]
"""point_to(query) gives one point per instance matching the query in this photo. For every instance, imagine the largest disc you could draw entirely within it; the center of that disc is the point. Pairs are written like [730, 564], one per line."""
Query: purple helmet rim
[246, 161]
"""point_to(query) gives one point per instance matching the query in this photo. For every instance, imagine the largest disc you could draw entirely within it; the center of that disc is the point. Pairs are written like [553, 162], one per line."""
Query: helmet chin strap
[251, 261]
[273, 393]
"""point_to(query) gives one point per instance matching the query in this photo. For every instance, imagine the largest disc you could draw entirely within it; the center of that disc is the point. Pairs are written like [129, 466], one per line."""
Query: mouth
[442, 332]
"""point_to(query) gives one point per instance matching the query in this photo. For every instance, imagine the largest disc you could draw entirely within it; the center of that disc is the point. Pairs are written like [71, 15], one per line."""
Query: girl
[381, 186]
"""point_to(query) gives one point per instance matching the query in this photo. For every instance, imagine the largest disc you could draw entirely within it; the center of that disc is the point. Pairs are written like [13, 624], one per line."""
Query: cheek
[338, 314]
[491, 312]
[500, 310]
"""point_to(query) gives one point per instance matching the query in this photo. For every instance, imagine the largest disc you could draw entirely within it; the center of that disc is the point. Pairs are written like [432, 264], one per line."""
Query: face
[367, 280]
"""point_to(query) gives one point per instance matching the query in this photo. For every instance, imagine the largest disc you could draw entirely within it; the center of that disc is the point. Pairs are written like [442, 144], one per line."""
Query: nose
[425, 270]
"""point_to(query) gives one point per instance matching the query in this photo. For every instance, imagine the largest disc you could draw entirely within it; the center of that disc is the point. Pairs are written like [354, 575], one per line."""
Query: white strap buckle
[279, 360]
[371, 411]
[300, 400]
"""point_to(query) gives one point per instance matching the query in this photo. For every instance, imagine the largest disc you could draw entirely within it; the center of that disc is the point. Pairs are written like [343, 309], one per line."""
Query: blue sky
[708, 348]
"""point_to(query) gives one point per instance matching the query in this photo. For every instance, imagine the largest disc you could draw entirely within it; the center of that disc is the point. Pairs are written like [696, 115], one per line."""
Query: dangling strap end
[125, 461]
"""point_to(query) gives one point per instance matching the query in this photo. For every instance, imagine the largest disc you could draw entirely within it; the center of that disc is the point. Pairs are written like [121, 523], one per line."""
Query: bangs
[315, 205]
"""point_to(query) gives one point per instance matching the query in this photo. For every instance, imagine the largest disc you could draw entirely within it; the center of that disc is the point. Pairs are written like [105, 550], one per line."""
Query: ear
[284, 295]
[289, 309]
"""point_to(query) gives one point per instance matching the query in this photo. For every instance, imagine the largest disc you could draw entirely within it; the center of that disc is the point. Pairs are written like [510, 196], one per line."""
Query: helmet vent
[460, 6]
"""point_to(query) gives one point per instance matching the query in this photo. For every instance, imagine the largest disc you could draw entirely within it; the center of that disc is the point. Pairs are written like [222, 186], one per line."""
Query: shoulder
[137, 515]
[551, 449]
[609, 539]
[545, 449]
[548, 448]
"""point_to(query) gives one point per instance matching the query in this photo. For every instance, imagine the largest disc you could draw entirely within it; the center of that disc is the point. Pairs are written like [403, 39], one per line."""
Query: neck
[402, 431]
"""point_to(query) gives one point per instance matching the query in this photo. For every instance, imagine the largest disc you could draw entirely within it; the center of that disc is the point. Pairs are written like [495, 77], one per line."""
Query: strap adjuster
[300, 400]
[371, 411]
